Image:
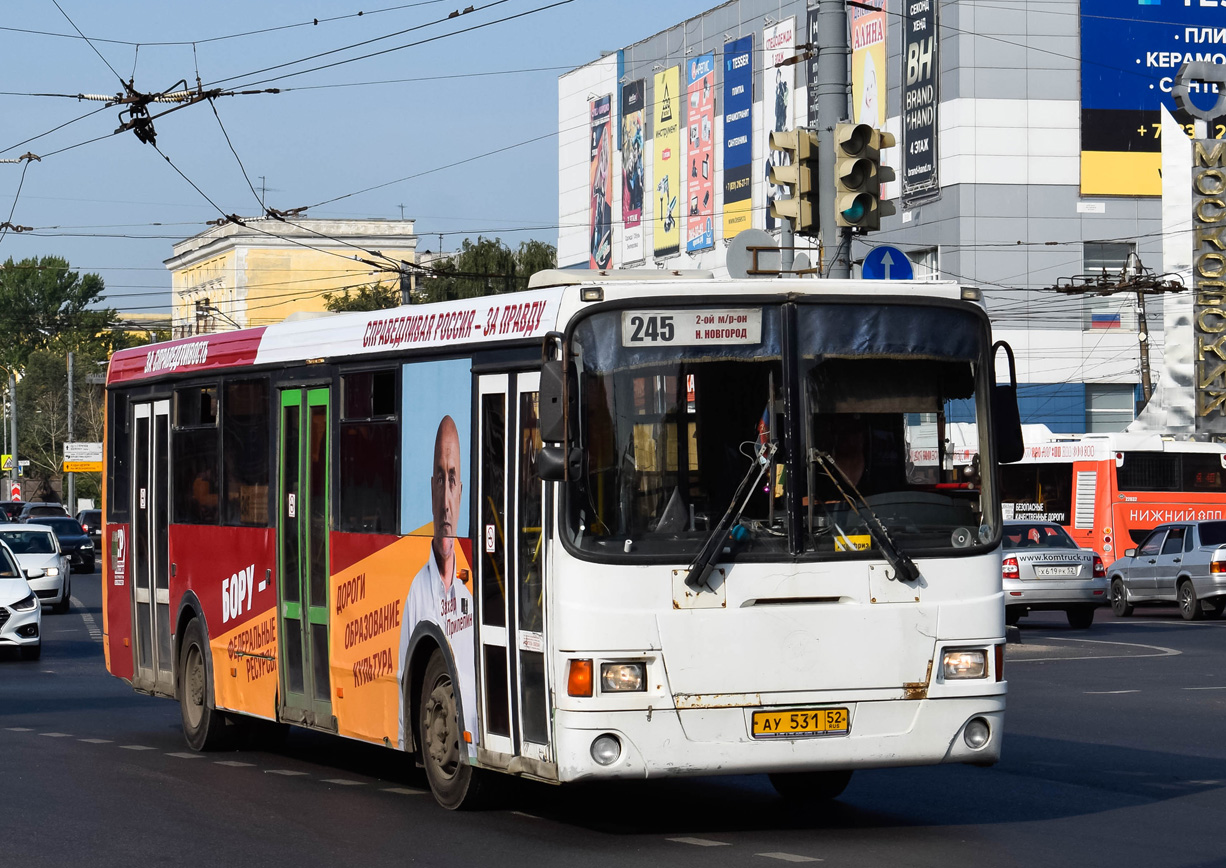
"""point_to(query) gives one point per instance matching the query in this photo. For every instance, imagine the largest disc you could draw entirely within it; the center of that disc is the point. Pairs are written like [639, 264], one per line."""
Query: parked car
[37, 509]
[21, 615]
[1044, 569]
[1182, 563]
[11, 508]
[74, 541]
[91, 520]
[40, 558]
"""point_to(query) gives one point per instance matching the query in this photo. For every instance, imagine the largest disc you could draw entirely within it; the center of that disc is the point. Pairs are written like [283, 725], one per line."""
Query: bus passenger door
[302, 556]
[150, 546]
[530, 525]
[511, 586]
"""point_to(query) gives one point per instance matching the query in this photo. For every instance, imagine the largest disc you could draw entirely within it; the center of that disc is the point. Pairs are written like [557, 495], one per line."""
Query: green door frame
[303, 524]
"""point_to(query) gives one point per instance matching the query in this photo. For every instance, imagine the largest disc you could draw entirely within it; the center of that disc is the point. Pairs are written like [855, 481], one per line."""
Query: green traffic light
[855, 213]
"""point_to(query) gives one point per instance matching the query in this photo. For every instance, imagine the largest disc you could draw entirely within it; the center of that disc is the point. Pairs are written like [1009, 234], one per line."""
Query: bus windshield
[670, 432]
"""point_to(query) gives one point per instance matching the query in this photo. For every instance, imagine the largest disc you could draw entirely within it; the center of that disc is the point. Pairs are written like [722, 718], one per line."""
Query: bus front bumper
[691, 742]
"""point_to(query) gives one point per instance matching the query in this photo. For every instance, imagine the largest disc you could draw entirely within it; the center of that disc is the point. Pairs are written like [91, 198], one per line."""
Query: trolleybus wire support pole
[832, 53]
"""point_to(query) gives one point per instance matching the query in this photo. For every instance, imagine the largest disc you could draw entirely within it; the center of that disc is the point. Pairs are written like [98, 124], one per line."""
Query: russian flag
[1104, 320]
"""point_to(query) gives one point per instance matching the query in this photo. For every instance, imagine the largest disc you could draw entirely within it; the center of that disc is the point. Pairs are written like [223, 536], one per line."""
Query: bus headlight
[622, 677]
[606, 749]
[965, 664]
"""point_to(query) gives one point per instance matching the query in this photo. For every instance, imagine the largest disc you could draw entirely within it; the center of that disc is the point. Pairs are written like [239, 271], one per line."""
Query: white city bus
[604, 528]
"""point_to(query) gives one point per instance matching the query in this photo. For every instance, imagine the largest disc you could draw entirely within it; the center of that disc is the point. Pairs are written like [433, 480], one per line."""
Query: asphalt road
[1113, 756]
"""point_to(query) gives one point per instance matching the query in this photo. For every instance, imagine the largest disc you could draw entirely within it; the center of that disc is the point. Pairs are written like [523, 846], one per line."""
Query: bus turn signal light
[579, 682]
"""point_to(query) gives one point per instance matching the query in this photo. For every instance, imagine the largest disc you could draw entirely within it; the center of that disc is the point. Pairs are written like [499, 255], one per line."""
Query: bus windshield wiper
[701, 568]
[904, 568]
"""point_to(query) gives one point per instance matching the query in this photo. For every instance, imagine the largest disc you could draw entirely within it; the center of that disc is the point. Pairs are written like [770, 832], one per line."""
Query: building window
[1109, 407]
[1118, 311]
[925, 263]
[369, 444]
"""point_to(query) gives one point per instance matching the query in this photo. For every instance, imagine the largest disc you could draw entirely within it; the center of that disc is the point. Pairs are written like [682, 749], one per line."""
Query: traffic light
[801, 175]
[858, 176]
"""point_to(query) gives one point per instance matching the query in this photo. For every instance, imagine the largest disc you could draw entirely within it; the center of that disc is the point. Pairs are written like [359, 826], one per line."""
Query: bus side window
[370, 436]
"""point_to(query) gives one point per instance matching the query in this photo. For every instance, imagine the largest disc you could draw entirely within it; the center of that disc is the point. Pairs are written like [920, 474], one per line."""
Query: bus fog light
[622, 677]
[975, 735]
[606, 749]
[965, 664]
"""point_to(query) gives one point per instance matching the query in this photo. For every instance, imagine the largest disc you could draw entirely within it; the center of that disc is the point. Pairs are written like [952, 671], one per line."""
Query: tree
[46, 311]
[484, 267]
[374, 296]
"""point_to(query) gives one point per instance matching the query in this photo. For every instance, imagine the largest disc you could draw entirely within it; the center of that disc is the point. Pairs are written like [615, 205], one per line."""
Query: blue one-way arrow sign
[886, 263]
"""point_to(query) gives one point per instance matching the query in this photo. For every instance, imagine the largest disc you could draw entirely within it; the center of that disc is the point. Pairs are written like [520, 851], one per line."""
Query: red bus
[1109, 490]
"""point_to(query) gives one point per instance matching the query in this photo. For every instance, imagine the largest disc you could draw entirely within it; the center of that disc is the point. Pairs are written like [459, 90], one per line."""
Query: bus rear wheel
[811, 786]
[204, 727]
[455, 783]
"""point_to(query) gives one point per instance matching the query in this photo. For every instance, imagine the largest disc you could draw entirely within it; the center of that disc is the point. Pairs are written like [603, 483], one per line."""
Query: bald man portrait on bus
[438, 594]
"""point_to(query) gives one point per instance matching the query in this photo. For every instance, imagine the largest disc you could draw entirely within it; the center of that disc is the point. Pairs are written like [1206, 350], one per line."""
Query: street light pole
[72, 477]
[13, 422]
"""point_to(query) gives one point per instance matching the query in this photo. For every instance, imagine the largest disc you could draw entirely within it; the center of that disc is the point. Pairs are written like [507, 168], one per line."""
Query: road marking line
[137, 747]
[95, 740]
[56, 734]
[344, 783]
[789, 857]
[1162, 651]
[20, 728]
[1108, 692]
[1204, 688]
[1206, 783]
[185, 755]
[1130, 774]
[408, 791]
[233, 764]
[90, 624]
[287, 772]
[529, 816]
[699, 842]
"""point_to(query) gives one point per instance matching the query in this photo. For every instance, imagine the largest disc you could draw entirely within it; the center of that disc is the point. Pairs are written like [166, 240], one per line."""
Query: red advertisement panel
[189, 354]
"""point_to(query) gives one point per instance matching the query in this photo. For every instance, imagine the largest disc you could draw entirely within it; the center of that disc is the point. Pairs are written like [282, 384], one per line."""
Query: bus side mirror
[552, 407]
[1006, 418]
[552, 461]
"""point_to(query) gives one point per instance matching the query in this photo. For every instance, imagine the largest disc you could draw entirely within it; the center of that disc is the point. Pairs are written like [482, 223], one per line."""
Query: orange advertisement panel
[245, 666]
[375, 613]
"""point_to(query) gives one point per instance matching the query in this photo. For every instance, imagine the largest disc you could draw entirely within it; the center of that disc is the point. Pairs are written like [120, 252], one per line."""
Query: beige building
[237, 276]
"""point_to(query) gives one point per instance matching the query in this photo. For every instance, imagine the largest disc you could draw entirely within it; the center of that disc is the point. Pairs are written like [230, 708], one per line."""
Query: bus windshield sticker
[691, 328]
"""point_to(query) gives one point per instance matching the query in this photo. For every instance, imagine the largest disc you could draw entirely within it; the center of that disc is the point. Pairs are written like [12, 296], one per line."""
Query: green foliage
[484, 267]
[375, 296]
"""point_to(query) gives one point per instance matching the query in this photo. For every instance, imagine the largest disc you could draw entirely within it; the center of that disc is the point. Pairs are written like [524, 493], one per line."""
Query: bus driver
[435, 595]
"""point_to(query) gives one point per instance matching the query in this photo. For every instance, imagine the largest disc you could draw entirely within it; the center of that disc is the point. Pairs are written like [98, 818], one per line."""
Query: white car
[21, 615]
[42, 560]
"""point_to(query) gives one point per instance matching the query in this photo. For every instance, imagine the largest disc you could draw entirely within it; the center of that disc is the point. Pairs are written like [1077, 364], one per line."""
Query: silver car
[1044, 570]
[1182, 563]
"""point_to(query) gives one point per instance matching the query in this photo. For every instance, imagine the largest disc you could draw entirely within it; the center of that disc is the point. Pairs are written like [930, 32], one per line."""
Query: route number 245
[651, 329]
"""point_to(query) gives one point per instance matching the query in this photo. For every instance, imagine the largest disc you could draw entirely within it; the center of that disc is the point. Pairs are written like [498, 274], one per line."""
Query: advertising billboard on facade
[868, 80]
[921, 68]
[1130, 54]
[633, 173]
[666, 117]
[600, 186]
[779, 43]
[738, 136]
[700, 172]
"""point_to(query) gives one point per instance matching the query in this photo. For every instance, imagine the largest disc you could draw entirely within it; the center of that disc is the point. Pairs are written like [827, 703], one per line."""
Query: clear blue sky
[115, 206]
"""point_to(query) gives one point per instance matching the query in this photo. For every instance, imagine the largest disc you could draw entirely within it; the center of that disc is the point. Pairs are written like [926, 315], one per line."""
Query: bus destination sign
[691, 328]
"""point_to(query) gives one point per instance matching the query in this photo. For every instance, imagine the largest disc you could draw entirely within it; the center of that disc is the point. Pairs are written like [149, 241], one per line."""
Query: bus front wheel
[456, 784]
[811, 786]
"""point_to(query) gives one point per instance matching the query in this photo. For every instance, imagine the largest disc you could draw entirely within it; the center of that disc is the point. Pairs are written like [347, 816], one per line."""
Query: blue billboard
[738, 136]
[1130, 54]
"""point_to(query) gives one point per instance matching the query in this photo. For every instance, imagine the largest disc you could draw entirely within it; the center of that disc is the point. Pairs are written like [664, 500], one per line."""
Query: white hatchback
[21, 615]
[42, 560]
